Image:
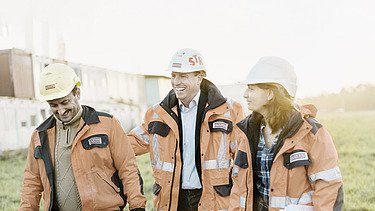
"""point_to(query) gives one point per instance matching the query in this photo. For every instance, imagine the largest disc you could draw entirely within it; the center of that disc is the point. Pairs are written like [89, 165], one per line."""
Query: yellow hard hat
[56, 81]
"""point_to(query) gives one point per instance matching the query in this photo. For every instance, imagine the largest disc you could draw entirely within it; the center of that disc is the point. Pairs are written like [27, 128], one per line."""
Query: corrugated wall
[18, 119]
[6, 82]
[22, 69]
[16, 74]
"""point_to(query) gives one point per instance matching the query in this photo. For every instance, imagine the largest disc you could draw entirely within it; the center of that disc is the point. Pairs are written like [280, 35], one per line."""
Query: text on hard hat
[195, 60]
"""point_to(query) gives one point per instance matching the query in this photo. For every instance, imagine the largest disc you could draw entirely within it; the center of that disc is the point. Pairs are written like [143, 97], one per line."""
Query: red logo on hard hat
[50, 86]
[195, 60]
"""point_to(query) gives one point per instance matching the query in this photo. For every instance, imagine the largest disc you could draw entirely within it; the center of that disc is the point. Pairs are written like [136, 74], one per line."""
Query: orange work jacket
[160, 135]
[305, 166]
[102, 159]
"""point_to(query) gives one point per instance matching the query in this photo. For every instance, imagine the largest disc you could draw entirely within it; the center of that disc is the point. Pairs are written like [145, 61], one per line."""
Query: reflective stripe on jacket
[160, 135]
[305, 167]
[102, 159]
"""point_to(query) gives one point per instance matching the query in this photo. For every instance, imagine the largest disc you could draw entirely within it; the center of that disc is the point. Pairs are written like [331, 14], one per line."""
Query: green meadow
[353, 133]
[354, 136]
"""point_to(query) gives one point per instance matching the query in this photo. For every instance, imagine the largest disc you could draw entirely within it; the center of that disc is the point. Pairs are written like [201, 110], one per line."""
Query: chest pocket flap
[222, 125]
[99, 140]
[296, 158]
[159, 128]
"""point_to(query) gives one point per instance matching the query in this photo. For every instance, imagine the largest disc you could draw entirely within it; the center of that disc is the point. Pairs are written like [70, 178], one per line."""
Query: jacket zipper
[67, 135]
[174, 170]
[175, 118]
[246, 191]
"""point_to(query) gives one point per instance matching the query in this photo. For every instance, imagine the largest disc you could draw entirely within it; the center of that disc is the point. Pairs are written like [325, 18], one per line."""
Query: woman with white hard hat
[285, 159]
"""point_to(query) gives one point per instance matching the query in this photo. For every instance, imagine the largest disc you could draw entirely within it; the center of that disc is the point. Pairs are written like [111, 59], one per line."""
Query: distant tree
[361, 97]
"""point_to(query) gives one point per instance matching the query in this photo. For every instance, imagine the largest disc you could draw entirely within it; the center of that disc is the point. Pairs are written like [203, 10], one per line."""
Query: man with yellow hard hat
[79, 158]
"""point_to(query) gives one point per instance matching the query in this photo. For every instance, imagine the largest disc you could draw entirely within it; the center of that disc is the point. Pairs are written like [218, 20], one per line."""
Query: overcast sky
[331, 43]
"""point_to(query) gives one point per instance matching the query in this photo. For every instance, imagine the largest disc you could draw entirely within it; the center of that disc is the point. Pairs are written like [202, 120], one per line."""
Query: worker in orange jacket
[190, 140]
[79, 158]
[285, 159]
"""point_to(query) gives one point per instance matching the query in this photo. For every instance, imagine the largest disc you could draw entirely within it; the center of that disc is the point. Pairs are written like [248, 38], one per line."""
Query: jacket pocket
[117, 181]
[241, 160]
[224, 190]
[296, 158]
[156, 188]
[109, 182]
[98, 140]
[105, 194]
[159, 128]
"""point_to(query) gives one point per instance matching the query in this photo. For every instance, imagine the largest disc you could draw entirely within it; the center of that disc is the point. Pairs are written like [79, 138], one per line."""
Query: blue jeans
[188, 199]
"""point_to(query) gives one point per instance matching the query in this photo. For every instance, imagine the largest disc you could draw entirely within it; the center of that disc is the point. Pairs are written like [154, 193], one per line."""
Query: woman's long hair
[279, 108]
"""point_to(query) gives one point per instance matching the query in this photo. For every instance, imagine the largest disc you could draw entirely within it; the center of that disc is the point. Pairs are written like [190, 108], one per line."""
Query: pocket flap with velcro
[221, 125]
[156, 188]
[296, 158]
[224, 190]
[159, 128]
[241, 160]
[98, 140]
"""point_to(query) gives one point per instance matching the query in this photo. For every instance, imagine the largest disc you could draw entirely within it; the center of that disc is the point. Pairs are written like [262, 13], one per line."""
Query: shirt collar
[192, 103]
[262, 138]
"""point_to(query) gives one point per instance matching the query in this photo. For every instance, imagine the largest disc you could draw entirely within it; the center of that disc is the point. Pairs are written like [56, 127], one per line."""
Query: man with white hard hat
[189, 138]
[79, 158]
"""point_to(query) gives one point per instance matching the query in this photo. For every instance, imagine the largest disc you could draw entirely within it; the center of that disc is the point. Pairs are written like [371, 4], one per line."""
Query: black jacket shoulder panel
[100, 113]
[90, 115]
[315, 124]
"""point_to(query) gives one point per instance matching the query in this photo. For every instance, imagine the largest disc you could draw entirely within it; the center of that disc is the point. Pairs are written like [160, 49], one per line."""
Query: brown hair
[279, 108]
[200, 72]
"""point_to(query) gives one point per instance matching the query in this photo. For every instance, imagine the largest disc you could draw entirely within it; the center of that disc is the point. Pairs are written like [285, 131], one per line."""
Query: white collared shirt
[190, 178]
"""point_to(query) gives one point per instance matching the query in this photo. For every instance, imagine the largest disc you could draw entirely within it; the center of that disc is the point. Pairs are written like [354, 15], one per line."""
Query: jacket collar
[252, 123]
[251, 128]
[292, 127]
[214, 97]
[89, 116]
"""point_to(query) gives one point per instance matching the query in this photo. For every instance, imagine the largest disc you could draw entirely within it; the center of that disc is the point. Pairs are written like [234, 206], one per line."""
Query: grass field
[354, 136]
[353, 133]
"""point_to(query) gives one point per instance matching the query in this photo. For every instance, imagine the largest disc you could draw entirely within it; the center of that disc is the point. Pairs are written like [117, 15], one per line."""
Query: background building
[124, 95]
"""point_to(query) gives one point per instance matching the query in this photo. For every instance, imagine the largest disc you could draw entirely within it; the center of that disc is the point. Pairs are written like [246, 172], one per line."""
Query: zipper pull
[67, 136]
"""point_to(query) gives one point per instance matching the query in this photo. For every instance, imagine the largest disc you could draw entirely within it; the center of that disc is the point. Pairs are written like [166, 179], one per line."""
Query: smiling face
[186, 85]
[257, 98]
[66, 108]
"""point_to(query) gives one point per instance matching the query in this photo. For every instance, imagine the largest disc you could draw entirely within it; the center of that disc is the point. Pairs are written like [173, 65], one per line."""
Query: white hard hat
[187, 60]
[57, 81]
[271, 69]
